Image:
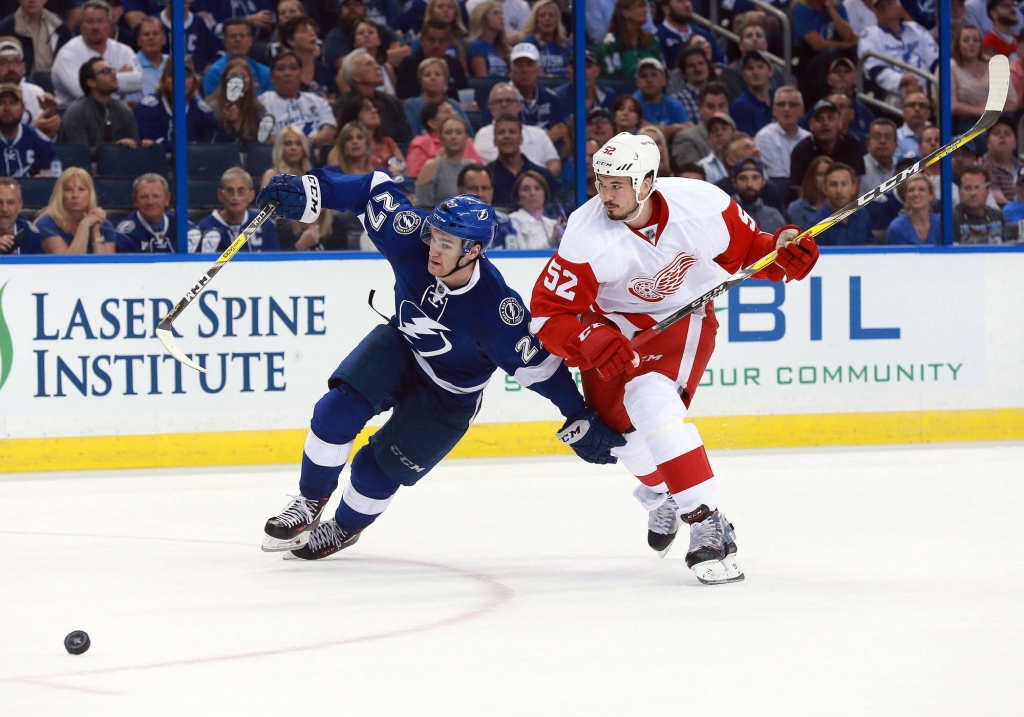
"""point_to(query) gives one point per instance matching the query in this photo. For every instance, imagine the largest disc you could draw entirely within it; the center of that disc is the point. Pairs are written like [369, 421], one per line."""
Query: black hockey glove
[590, 438]
[297, 197]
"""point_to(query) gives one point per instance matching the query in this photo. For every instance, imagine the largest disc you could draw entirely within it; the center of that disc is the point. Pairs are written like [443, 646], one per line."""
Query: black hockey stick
[998, 88]
[163, 329]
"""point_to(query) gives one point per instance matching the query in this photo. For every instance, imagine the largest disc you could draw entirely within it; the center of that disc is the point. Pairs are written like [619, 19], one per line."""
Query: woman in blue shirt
[72, 223]
[545, 30]
[812, 192]
[918, 226]
[488, 49]
[154, 112]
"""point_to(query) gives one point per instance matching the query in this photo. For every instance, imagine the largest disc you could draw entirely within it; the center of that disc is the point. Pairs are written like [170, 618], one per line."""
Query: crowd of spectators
[447, 96]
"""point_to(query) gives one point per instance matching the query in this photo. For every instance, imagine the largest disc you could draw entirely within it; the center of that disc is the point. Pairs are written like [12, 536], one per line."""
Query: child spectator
[918, 225]
[488, 50]
[840, 187]
[17, 235]
[150, 228]
[225, 224]
[658, 108]
[26, 152]
[238, 120]
[154, 112]
[533, 229]
[973, 221]
[438, 179]
[72, 223]
[288, 105]
[627, 42]
[545, 30]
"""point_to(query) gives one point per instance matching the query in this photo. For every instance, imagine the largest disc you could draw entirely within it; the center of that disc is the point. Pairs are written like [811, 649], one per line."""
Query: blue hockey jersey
[136, 235]
[459, 336]
[154, 116]
[29, 154]
[217, 234]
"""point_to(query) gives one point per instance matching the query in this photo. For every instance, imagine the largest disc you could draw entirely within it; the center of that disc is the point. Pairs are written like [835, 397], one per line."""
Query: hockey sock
[367, 494]
[337, 419]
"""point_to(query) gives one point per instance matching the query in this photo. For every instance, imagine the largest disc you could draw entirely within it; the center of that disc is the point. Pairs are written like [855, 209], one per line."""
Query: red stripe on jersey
[747, 243]
[652, 480]
[563, 291]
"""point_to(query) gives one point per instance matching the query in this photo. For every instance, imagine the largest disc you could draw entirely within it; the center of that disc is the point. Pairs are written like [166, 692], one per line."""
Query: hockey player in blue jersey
[456, 322]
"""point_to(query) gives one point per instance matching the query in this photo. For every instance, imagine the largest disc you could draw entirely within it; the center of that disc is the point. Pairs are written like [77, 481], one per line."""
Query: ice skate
[291, 529]
[327, 539]
[662, 526]
[712, 553]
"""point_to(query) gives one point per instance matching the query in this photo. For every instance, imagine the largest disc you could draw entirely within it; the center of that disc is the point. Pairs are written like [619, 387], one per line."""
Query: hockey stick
[998, 88]
[164, 328]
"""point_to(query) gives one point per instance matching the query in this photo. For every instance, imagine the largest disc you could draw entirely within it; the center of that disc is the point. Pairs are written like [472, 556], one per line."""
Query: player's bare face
[445, 251]
[618, 197]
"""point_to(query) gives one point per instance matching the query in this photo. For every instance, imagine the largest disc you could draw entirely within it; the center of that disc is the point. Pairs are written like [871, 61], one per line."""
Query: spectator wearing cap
[511, 162]
[29, 240]
[238, 41]
[879, 164]
[918, 225]
[748, 179]
[842, 78]
[676, 30]
[917, 108]
[595, 95]
[150, 228]
[752, 37]
[599, 125]
[151, 39]
[154, 113]
[40, 106]
[821, 32]
[740, 147]
[536, 146]
[658, 108]
[1001, 159]
[692, 73]
[752, 110]
[777, 139]
[720, 130]
[541, 106]
[363, 74]
[98, 117]
[825, 139]
[894, 37]
[976, 13]
[40, 33]
[1001, 40]
[627, 42]
[433, 77]
[840, 190]
[1014, 211]
[487, 49]
[434, 42]
[288, 105]
[94, 41]
[969, 79]
[973, 221]
[203, 46]
[26, 152]
[691, 145]
[545, 30]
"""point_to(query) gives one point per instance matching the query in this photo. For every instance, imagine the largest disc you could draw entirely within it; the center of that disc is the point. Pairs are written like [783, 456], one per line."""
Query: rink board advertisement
[916, 336]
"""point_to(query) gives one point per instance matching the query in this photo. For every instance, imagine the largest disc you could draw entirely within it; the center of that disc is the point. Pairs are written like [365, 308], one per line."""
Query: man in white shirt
[777, 140]
[879, 164]
[720, 130]
[94, 41]
[288, 106]
[537, 147]
[40, 105]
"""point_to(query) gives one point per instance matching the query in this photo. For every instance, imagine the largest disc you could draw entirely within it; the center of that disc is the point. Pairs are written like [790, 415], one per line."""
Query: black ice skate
[326, 540]
[712, 553]
[662, 526]
[291, 529]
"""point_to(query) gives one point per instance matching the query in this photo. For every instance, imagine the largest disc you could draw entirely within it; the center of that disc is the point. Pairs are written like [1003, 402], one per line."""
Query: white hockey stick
[164, 328]
[998, 89]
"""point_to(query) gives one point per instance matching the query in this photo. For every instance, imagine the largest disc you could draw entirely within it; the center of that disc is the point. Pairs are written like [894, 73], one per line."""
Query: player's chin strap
[640, 202]
[460, 267]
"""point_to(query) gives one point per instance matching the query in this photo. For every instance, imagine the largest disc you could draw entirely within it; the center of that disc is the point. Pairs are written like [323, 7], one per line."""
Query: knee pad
[652, 400]
[635, 455]
[339, 415]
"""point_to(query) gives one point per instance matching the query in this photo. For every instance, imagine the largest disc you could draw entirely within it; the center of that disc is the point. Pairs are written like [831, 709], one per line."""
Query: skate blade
[663, 553]
[718, 572]
[275, 545]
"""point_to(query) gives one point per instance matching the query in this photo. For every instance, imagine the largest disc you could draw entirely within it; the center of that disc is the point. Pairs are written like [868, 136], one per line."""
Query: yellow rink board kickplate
[490, 440]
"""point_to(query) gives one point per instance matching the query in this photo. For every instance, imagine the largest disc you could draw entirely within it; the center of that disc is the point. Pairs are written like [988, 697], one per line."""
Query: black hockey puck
[77, 642]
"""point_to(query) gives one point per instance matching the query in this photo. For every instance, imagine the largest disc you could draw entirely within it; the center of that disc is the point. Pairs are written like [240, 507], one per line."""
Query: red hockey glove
[794, 260]
[607, 350]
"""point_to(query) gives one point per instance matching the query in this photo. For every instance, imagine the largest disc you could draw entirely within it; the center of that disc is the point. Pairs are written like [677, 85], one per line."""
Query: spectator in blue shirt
[237, 43]
[258, 14]
[200, 43]
[511, 162]
[658, 108]
[840, 190]
[1014, 211]
[26, 153]
[17, 235]
[155, 112]
[676, 30]
[150, 229]
[225, 224]
[842, 77]
[821, 33]
[752, 110]
[488, 50]
[72, 223]
[151, 38]
[541, 107]
[919, 225]
[545, 30]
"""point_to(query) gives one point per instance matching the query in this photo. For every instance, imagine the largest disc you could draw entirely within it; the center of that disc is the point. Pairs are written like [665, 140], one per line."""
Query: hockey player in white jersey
[640, 250]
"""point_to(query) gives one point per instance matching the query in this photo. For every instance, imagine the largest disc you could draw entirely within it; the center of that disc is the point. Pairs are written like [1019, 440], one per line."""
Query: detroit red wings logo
[665, 283]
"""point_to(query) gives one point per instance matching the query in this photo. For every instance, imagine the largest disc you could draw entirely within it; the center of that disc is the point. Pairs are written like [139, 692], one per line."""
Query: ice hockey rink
[882, 581]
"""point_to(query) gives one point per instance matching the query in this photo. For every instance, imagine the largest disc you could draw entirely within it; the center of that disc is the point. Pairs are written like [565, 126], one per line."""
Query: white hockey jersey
[698, 236]
[913, 45]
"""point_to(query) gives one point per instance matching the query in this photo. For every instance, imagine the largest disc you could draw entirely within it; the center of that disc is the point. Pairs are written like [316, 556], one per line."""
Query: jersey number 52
[554, 281]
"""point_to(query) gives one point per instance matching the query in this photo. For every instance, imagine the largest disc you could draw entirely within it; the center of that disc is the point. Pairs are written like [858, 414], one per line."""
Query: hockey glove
[795, 259]
[590, 438]
[297, 197]
[606, 349]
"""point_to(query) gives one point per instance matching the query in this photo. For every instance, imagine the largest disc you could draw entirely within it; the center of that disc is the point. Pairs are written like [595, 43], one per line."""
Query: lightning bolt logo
[420, 326]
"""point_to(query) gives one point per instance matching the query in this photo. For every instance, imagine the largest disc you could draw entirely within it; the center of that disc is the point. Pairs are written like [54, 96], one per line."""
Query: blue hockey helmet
[464, 217]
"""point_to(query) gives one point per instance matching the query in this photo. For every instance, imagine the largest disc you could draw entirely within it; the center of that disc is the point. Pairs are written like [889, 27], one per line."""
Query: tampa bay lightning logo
[510, 311]
[406, 222]
[425, 333]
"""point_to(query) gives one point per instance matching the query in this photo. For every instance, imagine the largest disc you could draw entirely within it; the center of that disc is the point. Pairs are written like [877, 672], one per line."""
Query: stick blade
[167, 339]
[998, 83]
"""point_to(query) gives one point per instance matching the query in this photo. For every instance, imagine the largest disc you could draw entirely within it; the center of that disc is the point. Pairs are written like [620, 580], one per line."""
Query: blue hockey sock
[337, 420]
[368, 493]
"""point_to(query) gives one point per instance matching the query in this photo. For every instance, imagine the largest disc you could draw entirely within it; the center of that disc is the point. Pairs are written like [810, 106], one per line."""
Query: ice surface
[882, 581]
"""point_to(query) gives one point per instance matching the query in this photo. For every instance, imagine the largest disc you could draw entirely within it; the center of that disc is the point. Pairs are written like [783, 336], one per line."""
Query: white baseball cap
[525, 49]
[11, 47]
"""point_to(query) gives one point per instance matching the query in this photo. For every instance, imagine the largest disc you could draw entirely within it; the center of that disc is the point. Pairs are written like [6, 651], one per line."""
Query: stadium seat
[36, 192]
[552, 82]
[258, 159]
[621, 87]
[116, 160]
[44, 80]
[210, 161]
[112, 193]
[74, 155]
